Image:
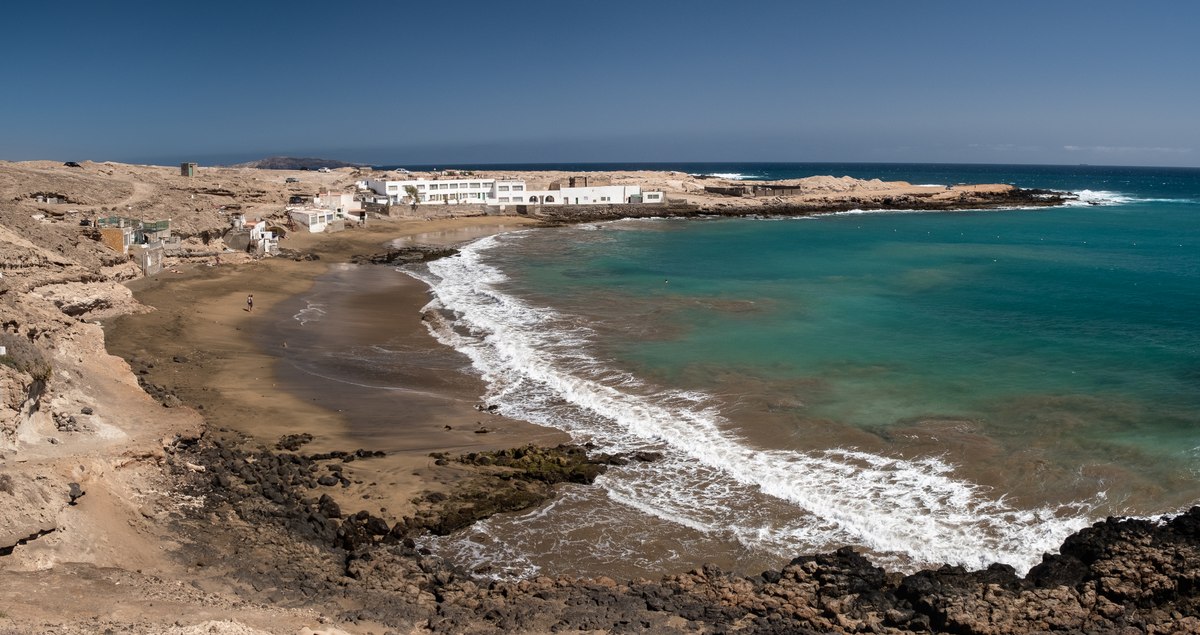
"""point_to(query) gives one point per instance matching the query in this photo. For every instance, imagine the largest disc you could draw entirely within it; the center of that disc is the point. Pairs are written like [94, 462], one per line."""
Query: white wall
[335, 201]
[437, 190]
[504, 192]
[314, 220]
[599, 195]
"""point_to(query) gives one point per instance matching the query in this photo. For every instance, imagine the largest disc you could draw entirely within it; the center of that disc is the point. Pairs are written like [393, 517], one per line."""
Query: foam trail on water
[313, 312]
[1104, 198]
[733, 176]
[910, 512]
[1100, 197]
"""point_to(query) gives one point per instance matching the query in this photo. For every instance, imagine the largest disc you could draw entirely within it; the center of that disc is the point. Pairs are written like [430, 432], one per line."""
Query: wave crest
[907, 512]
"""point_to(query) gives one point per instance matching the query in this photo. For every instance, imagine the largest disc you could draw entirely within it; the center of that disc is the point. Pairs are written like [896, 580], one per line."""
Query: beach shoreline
[231, 363]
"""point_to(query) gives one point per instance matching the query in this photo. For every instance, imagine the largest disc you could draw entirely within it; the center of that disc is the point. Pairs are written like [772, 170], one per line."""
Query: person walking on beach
[250, 303]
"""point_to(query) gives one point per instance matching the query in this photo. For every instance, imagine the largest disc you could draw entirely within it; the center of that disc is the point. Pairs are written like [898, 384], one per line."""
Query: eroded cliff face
[19, 396]
[77, 435]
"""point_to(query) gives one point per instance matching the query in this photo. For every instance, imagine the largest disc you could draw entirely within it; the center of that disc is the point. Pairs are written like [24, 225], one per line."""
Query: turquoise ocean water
[961, 387]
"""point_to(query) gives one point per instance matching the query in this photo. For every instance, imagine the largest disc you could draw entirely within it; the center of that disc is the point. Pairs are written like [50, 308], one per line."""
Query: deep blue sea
[965, 387]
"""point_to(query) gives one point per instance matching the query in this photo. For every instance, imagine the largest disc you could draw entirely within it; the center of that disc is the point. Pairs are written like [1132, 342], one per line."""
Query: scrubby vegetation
[22, 355]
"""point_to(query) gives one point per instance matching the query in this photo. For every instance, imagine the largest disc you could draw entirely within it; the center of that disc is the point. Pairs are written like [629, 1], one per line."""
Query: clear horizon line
[454, 164]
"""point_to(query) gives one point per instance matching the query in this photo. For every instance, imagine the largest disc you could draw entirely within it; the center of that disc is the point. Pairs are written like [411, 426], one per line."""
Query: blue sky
[476, 82]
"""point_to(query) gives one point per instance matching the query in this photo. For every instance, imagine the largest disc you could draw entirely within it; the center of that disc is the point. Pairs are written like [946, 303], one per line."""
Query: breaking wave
[1100, 197]
[733, 176]
[907, 512]
[1106, 198]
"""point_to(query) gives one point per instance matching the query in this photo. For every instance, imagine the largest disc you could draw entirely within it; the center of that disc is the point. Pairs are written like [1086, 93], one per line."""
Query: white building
[594, 195]
[317, 220]
[436, 190]
[264, 238]
[340, 203]
[509, 192]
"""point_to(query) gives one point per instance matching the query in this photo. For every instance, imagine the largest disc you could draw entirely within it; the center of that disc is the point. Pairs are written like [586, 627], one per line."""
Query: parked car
[291, 179]
[72, 164]
[323, 170]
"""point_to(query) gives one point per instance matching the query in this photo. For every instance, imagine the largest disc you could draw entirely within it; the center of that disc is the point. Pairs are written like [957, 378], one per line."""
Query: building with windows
[436, 190]
[509, 192]
[317, 220]
[340, 202]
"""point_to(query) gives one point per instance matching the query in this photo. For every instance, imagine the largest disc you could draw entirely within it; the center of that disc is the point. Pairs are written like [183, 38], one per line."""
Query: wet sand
[233, 366]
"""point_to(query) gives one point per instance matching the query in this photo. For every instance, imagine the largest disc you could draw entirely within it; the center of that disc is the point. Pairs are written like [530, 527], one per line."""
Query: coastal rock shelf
[1117, 574]
[900, 198]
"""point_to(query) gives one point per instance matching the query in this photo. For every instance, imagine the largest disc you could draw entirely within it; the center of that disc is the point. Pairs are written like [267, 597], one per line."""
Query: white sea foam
[1106, 197]
[313, 312]
[908, 512]
[733, 176]
[1100, 197]
[1184, 201]
[856, 212]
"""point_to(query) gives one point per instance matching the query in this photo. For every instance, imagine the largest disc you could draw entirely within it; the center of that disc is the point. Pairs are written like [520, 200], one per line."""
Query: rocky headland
[157, 500]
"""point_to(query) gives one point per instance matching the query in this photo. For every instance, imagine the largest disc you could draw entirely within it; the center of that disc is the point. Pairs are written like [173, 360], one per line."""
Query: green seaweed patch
[509, 480]
[560, 464]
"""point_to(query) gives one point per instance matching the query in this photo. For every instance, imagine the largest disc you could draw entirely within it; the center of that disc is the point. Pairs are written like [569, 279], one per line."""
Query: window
[518, 199]
[392, 188]
[421, 187]
[474, 185]
[454, 186]
[503, 188]
[518, 188]
[503, 199]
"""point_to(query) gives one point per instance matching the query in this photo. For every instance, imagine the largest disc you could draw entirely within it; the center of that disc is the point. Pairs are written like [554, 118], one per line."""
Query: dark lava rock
[293, 442]
[1117, 576]
[415, 253]
[328, 507]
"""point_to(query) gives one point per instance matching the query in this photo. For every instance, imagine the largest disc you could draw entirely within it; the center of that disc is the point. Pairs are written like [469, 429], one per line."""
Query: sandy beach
[233, 366]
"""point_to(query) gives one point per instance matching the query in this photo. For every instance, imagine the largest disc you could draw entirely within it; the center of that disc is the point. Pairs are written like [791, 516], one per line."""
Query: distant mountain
[296, 163]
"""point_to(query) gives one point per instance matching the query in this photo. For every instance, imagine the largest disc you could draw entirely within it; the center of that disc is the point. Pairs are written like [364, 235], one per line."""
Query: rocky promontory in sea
[295, 547]
[814, 201]
[296, 163]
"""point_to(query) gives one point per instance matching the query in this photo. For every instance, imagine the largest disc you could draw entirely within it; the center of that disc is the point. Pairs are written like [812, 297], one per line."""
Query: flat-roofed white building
[509, 192]
[436, 190]
[342, 203]
[317, 220]
[594, 195]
